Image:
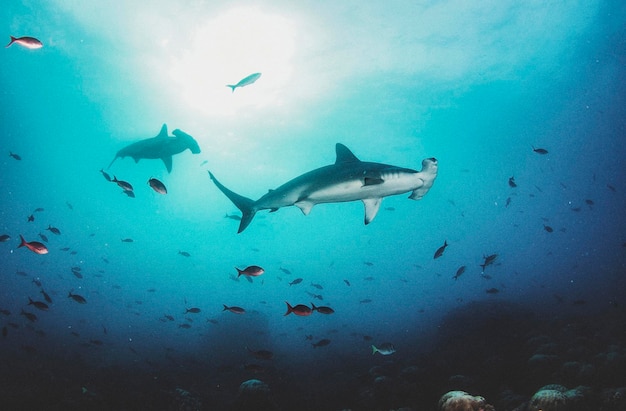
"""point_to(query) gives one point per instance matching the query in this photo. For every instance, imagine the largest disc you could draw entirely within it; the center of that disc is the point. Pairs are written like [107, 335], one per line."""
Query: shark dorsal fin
[163, 132]
[344, 155]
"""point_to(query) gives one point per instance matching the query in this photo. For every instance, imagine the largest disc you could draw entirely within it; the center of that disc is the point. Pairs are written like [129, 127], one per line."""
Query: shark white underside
[349, 179]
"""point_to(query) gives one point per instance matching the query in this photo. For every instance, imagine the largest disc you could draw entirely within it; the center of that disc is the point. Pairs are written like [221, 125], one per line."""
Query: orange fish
[300, 309]
[34, 246]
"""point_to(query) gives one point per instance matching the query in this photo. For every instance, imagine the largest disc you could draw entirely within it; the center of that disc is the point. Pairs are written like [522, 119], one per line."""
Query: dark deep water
[484, 88]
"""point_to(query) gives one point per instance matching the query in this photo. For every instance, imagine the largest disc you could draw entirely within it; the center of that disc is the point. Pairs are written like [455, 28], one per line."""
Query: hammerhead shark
[162, 146]
[349, 179]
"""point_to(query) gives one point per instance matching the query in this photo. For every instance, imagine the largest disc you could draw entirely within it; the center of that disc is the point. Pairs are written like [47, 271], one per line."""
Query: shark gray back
[161, 147]
[349, 179]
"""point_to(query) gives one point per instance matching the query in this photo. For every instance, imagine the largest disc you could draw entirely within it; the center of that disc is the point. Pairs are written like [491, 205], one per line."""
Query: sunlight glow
[228, 48]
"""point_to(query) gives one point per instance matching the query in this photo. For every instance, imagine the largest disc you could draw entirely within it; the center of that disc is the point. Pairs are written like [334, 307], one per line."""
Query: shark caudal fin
[244, 204]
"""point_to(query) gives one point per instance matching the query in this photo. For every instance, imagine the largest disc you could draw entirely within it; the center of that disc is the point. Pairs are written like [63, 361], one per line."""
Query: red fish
[300, 309]
[28, 42]
[34, 246]
[253, 271]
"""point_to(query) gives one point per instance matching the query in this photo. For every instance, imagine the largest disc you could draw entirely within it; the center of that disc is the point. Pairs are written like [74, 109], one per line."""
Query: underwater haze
[505, 277]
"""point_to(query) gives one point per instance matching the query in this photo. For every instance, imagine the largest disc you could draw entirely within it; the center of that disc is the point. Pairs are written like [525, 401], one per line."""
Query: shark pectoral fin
[371, 208]
[372, 181]
[168, 163]
[419, 192]
[305, 206]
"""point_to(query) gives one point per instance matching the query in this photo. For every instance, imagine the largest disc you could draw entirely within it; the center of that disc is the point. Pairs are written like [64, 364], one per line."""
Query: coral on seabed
[462, 401]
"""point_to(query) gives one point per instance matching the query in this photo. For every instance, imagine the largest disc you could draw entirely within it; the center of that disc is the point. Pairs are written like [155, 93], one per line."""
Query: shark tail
[246, 205]
[112, 161]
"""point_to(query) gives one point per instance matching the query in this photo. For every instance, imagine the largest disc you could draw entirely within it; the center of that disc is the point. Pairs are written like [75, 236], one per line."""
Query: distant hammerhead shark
[349, 179]
[162, 146]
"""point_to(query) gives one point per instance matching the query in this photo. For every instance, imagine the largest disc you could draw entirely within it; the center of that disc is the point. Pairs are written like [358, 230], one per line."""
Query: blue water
[477, 86]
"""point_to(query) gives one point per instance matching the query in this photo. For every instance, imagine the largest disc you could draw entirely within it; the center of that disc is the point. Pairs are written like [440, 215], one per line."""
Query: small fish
[53, 230]
[253, 271]
[548, 228]
[245, 81]
[610, 187]
[46, 297]
[492, 291]
[318, 286]
[508, 202]
[541, 151]
[15, 156]
[589, 202]
[459, 272]
[365, 301]
[122, 184]
[284, 270]
[261, 354]
[78, 298]
[233, 217]
[488, 260]
[322, 310]
[37, 282]
[204, 162]
[5, 311]
[26, 41]
[38, 210]
[30, 218]
[40, 305]
[43, 237]
[184, 253]
[296, 281]
[4, 238]
[106, 175]
[300, 309]
[255, 368]
[157, 186]
[384, 349]
[512, 182]
[321, 343]
[34, 246]
[193, 310]
[347, 282]
[29, 316]
[77, 274]
[185, 326]
[70, 206]
[233, 309]
[127, 240]
[368, 263]
[440, 250]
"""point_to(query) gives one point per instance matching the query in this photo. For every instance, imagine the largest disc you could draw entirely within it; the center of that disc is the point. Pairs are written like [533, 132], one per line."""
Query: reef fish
[40, 305]
[512, 182]
[34, 246]
[4, 237]
[300, 309]
[157, 186]
[384, 349]
[193, 310]
[261, 354]
[440, 250]
[124, 185]
[26, 41]
[78, 298]
[296, 281]
[540, 150]
[233, 309]
[245, 81]
[53, 230]
[253, 271]
[321, 343]
[15, 156]
[322, 309]
[459, 272]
